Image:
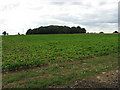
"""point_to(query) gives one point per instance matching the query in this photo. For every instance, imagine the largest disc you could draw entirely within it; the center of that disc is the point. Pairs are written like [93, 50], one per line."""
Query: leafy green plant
[38, 50]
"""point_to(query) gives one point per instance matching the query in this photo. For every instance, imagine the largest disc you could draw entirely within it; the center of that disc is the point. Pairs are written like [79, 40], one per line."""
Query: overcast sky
[20, 15]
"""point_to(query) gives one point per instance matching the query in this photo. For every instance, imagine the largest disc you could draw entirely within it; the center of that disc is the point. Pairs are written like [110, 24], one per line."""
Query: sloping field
[37, 50]
[89, 73]
[56, 60]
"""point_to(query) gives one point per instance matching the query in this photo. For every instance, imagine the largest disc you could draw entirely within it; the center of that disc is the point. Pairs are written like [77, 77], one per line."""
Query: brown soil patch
[1, 41]
[59, 57]
[107, 79]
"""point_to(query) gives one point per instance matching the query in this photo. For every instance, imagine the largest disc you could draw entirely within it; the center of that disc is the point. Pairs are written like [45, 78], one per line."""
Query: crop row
[37, 50]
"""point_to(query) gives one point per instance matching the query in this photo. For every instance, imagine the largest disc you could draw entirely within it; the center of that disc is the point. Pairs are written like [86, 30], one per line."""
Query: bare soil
[107, 79]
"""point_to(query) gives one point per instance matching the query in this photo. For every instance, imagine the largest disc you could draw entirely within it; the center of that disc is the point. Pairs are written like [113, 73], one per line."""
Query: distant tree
[115, 32]
[83, 30]
[7, 33]
[79, 27]
[29, 31]
[4, 33]
[101, 32]
[18, 33]
[55, 29]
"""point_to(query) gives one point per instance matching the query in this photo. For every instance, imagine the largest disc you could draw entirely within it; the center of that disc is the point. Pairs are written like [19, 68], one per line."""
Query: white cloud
[20, 15]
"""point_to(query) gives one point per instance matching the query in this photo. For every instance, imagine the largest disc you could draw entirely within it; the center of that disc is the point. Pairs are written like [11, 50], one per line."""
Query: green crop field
[56, 60]
[25, 51]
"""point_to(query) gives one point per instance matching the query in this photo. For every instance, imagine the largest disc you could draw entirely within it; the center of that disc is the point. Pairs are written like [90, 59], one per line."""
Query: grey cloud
[75, 20]
[46, 22]
[111, 17]
[94, 19]
[77, 3]
[119, 12]
[102, 3]
[36, 8]
[87, 5]
[57, 3]
[96, 16]
[72, 2]
[65, 18]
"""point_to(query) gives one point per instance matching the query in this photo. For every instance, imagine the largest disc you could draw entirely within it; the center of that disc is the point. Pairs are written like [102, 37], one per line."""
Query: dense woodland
[54, 29]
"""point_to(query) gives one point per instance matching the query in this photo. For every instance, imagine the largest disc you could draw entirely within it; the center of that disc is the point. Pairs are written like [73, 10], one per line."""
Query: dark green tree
[115, 32]
[55, 29]
[18, 33]
[101, 32]
[4, 33]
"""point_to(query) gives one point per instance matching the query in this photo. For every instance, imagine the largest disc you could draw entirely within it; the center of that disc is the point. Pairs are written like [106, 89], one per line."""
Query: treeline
[54, 29]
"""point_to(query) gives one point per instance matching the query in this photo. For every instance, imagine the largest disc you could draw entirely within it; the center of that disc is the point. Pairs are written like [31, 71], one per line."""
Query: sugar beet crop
[38, 50]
